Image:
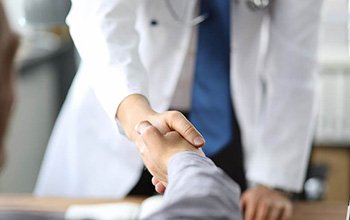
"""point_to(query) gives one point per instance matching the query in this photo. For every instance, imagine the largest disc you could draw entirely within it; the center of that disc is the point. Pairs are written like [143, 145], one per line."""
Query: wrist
[285, 193]
[132, 110]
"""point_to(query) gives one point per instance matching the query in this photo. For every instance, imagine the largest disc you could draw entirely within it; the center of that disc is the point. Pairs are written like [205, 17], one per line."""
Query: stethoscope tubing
[253, 5]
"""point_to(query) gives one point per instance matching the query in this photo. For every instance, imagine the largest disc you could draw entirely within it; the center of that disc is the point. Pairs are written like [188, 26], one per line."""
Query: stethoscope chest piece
[257, 4]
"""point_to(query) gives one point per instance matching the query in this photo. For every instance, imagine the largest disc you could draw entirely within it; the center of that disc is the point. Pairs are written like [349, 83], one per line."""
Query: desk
[319, 210]
[50, 204]
[302, 210]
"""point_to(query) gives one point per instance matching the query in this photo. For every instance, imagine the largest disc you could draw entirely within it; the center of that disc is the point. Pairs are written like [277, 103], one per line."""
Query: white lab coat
[273, 83]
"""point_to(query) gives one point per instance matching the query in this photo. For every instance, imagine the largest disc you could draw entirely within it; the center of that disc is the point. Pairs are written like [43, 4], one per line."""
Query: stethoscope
[253, 5]
[257, 4]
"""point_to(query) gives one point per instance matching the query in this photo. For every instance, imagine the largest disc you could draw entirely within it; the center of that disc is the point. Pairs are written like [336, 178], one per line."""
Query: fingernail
[141, 127]
[199, 140]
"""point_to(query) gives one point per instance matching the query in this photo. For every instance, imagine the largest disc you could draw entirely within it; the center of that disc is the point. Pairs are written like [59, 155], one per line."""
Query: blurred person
[8, 47]
[134, 58]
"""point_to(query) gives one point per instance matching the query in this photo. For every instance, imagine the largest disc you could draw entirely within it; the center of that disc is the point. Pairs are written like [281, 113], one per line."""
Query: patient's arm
[197, 189]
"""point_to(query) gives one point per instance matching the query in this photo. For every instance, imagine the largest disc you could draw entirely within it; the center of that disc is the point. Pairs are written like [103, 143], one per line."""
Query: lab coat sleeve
[107, 41]
[291, 87]
[198, 189]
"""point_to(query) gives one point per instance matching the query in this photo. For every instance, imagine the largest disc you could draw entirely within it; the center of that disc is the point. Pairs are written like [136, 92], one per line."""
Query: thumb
[151, 136]
[179, 123]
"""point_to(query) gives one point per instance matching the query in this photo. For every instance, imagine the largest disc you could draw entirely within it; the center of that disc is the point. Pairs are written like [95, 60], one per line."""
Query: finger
[155, 181]
[160, 188]
[275, 213]
[287, 212]
[151, 136]
[179, 123]
[140, 144]
[249, 204]
[263, 210]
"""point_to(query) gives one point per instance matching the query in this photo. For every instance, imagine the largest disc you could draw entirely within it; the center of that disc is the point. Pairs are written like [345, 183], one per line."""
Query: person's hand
[159, 186]
[136, 108]
[8, 47]
[156, 150]
[263, 203]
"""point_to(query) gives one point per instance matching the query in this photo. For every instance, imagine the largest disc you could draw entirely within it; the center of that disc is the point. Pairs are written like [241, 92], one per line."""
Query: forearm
[110, 52]
[197, 189]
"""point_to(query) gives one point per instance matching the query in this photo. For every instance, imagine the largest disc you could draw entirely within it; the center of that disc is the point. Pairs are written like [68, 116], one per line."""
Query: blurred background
[47, 62]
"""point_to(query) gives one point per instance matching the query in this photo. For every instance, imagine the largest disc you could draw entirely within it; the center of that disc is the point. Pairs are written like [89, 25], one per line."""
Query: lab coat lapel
[166, 38]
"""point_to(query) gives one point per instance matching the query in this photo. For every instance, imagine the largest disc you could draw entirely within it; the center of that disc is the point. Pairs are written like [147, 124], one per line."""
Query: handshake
[157, 150]
[197, 188]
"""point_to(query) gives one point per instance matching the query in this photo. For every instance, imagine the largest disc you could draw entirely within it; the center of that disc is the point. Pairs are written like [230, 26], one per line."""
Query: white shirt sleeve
[107, 41]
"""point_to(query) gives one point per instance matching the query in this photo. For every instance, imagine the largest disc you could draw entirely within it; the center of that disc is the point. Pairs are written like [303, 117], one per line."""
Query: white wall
[334, 40]
[333, 126]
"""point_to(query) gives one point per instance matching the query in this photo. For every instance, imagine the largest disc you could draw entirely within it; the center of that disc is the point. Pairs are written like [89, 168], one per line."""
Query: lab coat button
[154, 22]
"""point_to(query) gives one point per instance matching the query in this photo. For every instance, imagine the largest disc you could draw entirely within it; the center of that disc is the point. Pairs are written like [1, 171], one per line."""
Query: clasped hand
[156, 150]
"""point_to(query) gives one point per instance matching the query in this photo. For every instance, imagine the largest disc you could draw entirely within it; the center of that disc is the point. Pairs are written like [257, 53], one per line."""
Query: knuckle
[149, 131]
[173, 115]
[267, 204]
[188, 129]
[247, 195]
